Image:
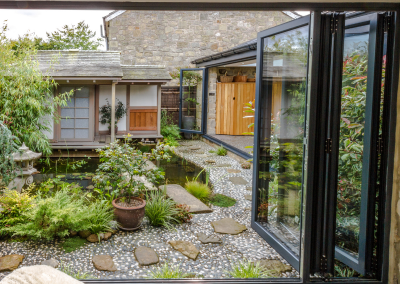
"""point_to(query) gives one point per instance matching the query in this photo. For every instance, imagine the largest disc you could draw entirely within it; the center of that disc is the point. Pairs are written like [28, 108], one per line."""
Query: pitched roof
[79, 63]
[113, 15]
[145, 72]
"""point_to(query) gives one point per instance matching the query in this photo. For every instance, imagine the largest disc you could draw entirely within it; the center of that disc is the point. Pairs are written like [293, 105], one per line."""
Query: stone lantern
[24, 159]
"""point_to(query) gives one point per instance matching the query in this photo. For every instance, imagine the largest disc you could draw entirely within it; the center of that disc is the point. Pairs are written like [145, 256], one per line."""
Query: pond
[81, 170]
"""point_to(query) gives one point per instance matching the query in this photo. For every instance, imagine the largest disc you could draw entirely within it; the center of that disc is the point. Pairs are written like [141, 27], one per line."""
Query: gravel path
[213, 260]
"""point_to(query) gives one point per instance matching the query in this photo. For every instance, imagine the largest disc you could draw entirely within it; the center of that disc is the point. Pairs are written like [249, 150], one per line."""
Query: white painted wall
[120, 94]
[143, 95]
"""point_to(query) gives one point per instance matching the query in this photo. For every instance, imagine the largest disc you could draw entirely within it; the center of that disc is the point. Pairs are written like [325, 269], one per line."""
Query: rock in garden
[247, 197]
[73, 233]
[104, 263]
[228, 226]
[93, 238]
[186, 248]
[180, 195]
[238, 181]
[107, 235]
[51, 262]
[210, 161]
[233, 171]
[84, 234]
[10, 262]
[273, 266]
[249, 188]
[146, 256]
[208, 239]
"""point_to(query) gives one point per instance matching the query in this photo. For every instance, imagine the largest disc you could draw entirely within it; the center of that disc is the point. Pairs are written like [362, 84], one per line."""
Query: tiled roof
[145, 72]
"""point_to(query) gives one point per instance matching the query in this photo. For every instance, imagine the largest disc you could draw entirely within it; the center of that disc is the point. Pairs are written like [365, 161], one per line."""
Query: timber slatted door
[143, 119]
[231, 100]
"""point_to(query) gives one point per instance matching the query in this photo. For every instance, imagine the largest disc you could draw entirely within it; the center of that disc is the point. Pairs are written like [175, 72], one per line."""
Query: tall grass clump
[198, 190]
[167, 272]
[221, 151]
[247, 269]
[160, 210]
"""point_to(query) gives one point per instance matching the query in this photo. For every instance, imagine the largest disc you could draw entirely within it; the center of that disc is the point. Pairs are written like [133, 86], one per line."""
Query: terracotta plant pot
[129, 218]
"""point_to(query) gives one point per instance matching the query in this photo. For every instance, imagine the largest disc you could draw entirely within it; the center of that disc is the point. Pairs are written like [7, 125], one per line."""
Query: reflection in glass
[192, 97]
[351, 138]
[283, 96]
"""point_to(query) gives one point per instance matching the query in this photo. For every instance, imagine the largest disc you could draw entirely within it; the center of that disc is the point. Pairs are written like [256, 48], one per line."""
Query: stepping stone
[233, 171]
[10, 262]
[146, 256]
[209, 161]
[273, 266]
[104, 263]
[186, 248]
[195, 148]
[180, 195]
[51, 262]
[249, 188]
[223, 165]
[238, 181]
[228, 226]
[248, 197]
[208, 239]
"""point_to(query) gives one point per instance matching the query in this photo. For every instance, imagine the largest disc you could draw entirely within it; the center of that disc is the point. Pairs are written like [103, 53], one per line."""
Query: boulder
[146, 256]
[186, 248]
[10, 262]
[84, 234]
[228, 226]
[104, 263]
[107, 235]
[208, 239]
[51, 262]
[93, 238]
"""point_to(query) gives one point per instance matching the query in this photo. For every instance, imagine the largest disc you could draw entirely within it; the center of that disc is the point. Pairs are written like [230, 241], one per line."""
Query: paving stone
[51, 262]
[248, 197]
[238, 181]
[209, 161]
[181, 196]
[208, 239]
[10, 262]
[186, 248]
[84, 234]
[228, 226]
[93, 238]
[146, 256]
[274, 266]
[223, 165]
[249, 188]
[195, 148]
[104, 263]
[233, 171]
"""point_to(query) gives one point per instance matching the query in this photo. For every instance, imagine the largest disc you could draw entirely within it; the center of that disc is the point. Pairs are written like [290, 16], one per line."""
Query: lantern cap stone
[24, 154]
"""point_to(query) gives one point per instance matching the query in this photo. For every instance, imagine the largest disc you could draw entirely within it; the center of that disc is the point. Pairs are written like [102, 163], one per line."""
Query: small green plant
[198, 190]
[167, 272]
[168, 128]
[246, 165]
[184, 216]
[100, 216]
[72, 244]
[343, 271]
[221, 151]
[105, 111]
[160, 210]
[247, 269]
[171, 141]
[77, 274]
[222, 200]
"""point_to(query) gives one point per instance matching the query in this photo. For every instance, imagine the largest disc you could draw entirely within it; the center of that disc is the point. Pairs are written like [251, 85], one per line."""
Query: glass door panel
[191, 111]
[282, 95]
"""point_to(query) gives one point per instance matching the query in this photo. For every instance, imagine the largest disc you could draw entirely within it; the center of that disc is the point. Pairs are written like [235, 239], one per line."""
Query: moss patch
[222, 200]
[72, 244]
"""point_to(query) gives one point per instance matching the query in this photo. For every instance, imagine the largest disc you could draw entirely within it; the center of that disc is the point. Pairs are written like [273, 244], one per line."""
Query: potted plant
[118, 179]
[105, 111]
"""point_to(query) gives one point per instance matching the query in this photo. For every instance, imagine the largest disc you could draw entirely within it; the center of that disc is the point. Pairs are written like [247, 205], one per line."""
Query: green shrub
[100, 215]
[72, 244]
[167, 272]
[222, 200]
[160, 210]
[184, 216]
[170, 140]
[198, 190]
[167, 126]
[247, 269]
[221, 151]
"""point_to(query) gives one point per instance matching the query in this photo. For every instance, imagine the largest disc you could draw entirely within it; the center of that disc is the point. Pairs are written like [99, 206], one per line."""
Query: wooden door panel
[143, 119]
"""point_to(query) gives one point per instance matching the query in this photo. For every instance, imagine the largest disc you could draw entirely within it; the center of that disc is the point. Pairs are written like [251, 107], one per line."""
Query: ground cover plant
[247, 269]
[72, 244]
[167, 272]
[222, 200]
[168, 128]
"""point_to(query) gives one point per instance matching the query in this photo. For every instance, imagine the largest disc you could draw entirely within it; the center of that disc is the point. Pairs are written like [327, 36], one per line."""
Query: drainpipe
[113, 111]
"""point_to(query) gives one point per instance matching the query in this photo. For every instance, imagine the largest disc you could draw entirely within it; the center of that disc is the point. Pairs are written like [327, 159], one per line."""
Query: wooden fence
[170, 100]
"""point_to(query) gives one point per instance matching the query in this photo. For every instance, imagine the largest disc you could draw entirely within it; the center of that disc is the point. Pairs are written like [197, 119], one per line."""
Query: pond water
[81, 170]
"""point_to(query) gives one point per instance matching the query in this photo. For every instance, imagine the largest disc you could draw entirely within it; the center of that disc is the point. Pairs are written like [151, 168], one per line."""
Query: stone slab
[248, 197]
[178, 194]
[249, 188]
[10, 262]
[228, 226]
[186, 248]
[146, 256]
[238, 181]
[104, 263]
[233, 171]
[223, 165]
[208, 239]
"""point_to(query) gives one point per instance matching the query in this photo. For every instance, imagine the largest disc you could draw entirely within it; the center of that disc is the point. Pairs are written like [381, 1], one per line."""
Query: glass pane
[351, 139]
[283, 95]
[67, 133]
[71, 102]
[81, 133]
[82, 123]
[67, 123]
[67, 112]
[82, 92]
[82, 102]
[82, 112]
[192, 98]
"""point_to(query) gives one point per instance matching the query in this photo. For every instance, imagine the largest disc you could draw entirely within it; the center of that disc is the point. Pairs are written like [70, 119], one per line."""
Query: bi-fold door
[349, 152]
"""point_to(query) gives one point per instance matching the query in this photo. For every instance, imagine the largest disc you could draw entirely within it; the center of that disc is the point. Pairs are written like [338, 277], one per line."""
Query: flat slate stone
[146, 256]
[249, 188]
[223, 165]
[238, 181]
[10, 262]
[186, 248]
[208, 239]
[273, 266]
[178, 194]
[195, 148]
[248, 197]
[233, 171]
[50, 262]
[104, 263]
[228, 226]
